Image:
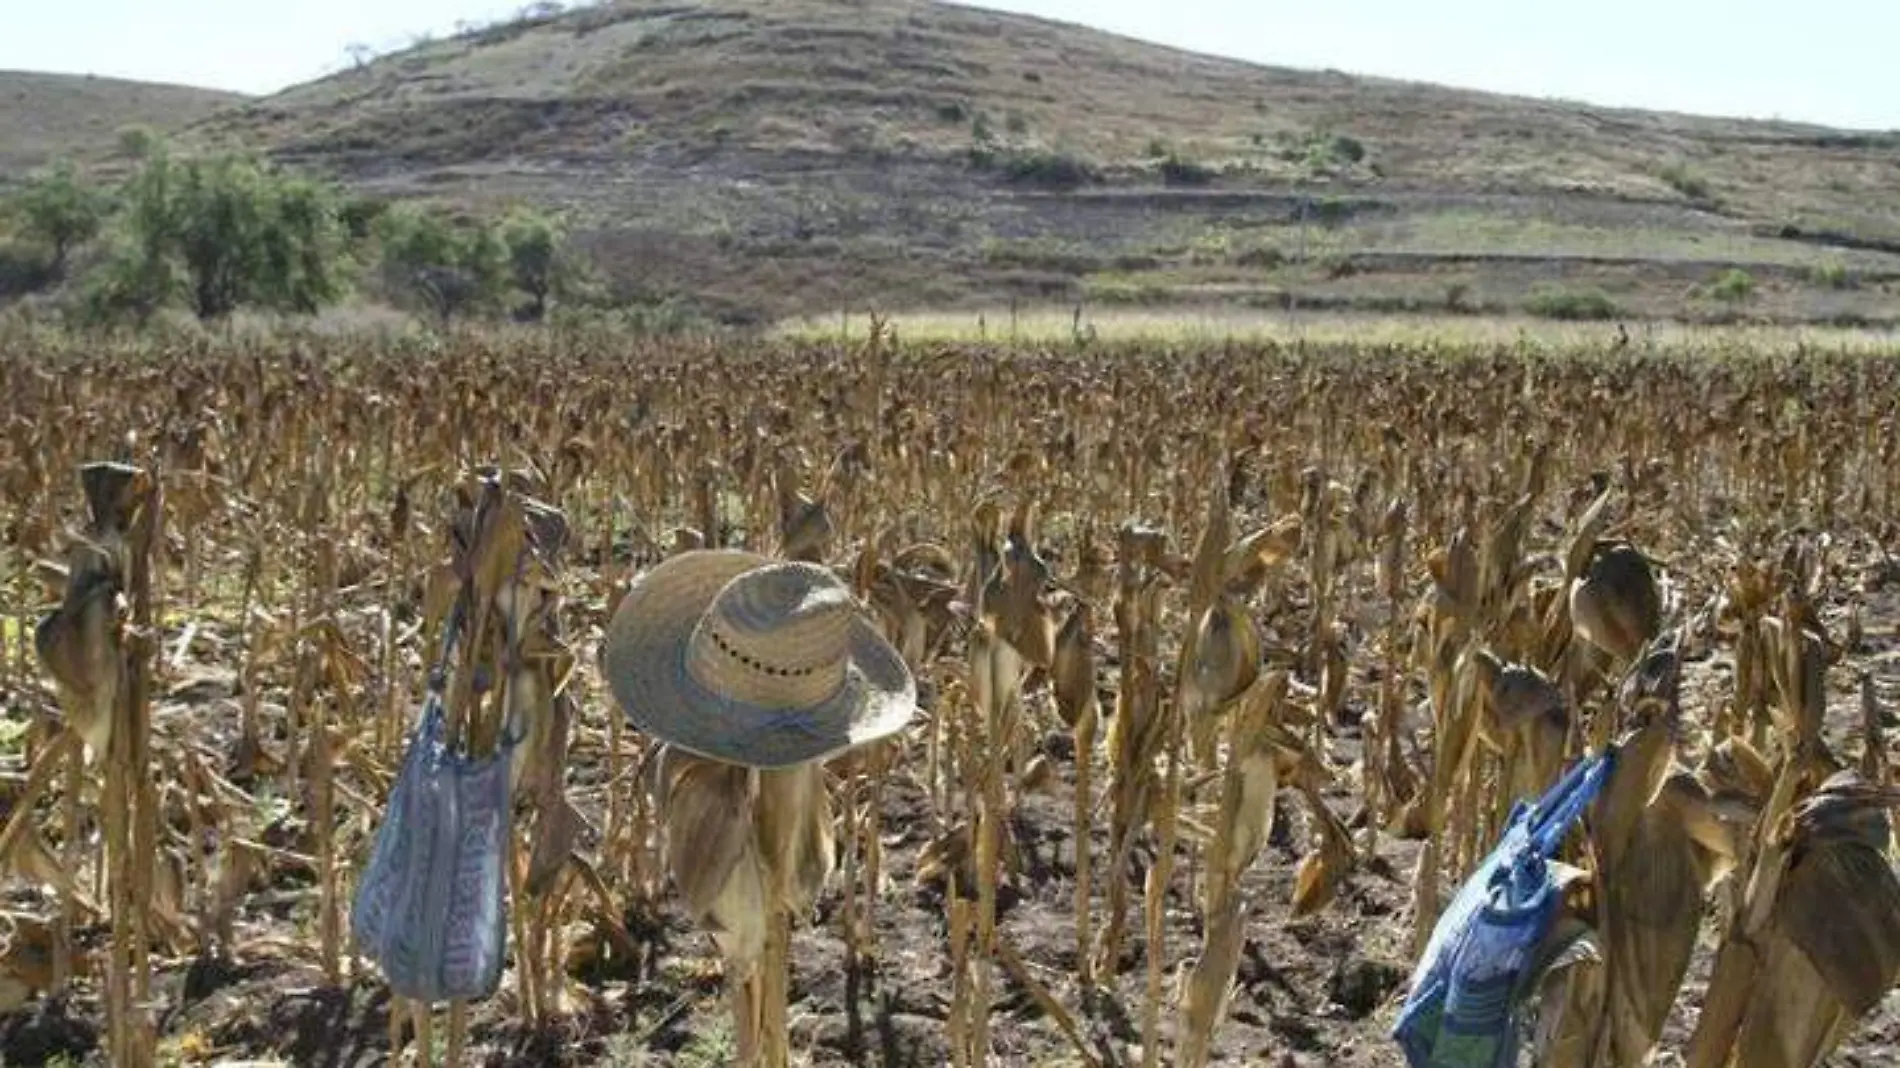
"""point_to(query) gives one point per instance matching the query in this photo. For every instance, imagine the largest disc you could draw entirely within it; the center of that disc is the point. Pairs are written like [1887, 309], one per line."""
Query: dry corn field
[1231, 660]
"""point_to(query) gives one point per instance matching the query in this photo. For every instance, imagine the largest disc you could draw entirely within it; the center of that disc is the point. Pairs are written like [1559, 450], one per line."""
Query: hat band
[754, 663]
[735, 672]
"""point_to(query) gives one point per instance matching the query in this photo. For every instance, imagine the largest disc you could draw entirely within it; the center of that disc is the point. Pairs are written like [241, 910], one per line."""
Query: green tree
[430, 261]
[138, 141]
[302, 248]
[141, 276]
[60, 211]
[218, 222]
[534, 258]
[1733, 286]
[225, 231]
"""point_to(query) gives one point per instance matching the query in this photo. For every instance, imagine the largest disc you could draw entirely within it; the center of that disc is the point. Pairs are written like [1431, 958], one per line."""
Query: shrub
[23, 270]
[1685, 181]
[1331, 212]
[1176, 170]
[1049, 170]
[1265, 257]
[1732, 286]
[131, 284]
[358, 215]
[431, 261]
[534, 258]
[137, 141]
[1572, 304]
[223, 231]
[59, 211]
[1831, 275]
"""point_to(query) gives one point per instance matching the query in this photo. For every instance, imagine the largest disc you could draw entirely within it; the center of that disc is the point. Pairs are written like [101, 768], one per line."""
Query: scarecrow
[750, 673]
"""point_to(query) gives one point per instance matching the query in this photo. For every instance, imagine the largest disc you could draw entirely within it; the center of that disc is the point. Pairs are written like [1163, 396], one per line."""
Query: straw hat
[753, 661]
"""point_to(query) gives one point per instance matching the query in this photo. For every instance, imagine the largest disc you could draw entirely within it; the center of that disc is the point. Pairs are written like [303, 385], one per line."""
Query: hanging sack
[1462, 1009]
[431, 907]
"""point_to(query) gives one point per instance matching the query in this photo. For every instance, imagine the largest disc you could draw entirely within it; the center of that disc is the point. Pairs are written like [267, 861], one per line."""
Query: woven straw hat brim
[644, 660]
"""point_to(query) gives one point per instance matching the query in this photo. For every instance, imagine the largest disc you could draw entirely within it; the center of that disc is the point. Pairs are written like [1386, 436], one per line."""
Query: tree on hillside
[301, 245]
[227, 231]
[60, 211]
[217, 220]
[534, 258]
[141, 276]
[430, 261]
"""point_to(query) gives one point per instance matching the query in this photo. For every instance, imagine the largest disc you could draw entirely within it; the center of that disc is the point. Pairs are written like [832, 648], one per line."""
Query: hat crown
[777, 636]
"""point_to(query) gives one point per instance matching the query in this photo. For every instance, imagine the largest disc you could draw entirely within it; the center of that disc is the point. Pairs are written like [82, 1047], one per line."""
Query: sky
[1826, 61]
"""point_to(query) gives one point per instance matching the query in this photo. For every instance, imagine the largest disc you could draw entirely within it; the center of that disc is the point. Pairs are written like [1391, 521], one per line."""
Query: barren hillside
[47, 116]
[807, 156]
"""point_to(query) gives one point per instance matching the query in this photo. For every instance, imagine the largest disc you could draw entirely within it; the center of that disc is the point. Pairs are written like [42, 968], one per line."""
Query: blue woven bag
[431, 907]
[1462, 1009]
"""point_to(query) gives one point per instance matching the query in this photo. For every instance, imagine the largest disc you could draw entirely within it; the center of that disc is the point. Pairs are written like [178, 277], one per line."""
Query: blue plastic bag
[431, 907]
[1462, 1009]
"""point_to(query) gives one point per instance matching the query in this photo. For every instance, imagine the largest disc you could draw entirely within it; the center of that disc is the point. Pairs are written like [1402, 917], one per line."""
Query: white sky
[1832, 61]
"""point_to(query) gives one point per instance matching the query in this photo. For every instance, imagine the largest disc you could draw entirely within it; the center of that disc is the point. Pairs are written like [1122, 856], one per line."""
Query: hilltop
[812, 155]
[44, 117]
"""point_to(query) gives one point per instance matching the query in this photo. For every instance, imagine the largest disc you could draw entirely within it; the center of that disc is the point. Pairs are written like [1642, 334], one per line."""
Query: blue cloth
[1462, 1008]
[430, 910]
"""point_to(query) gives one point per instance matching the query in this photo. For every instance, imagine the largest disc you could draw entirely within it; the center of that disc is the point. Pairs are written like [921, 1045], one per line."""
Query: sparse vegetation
[1732, 286]
[1685, 180]
[1573, 304]
[1178, 170]
[449, 267]
[1261, 257]
[1831, 275]
[1047, 169]
[60, 212]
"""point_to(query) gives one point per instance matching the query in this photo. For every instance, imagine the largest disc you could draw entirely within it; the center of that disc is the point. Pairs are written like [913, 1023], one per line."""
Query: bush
[59, 211]
[1331, 212]
[646, 317]
[534, 258]
[430, 261]
[23, 270]
[137, 142]
[1685, 181]
[1178, 171]
[358, 215]
[1832, 275]
[1049, 170]
[1732, 286]
[1579, 305]
[1265, 257]
[225, 231]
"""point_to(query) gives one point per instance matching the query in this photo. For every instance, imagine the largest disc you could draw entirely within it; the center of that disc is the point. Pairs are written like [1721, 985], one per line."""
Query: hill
[812, 155]
[44, 117]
